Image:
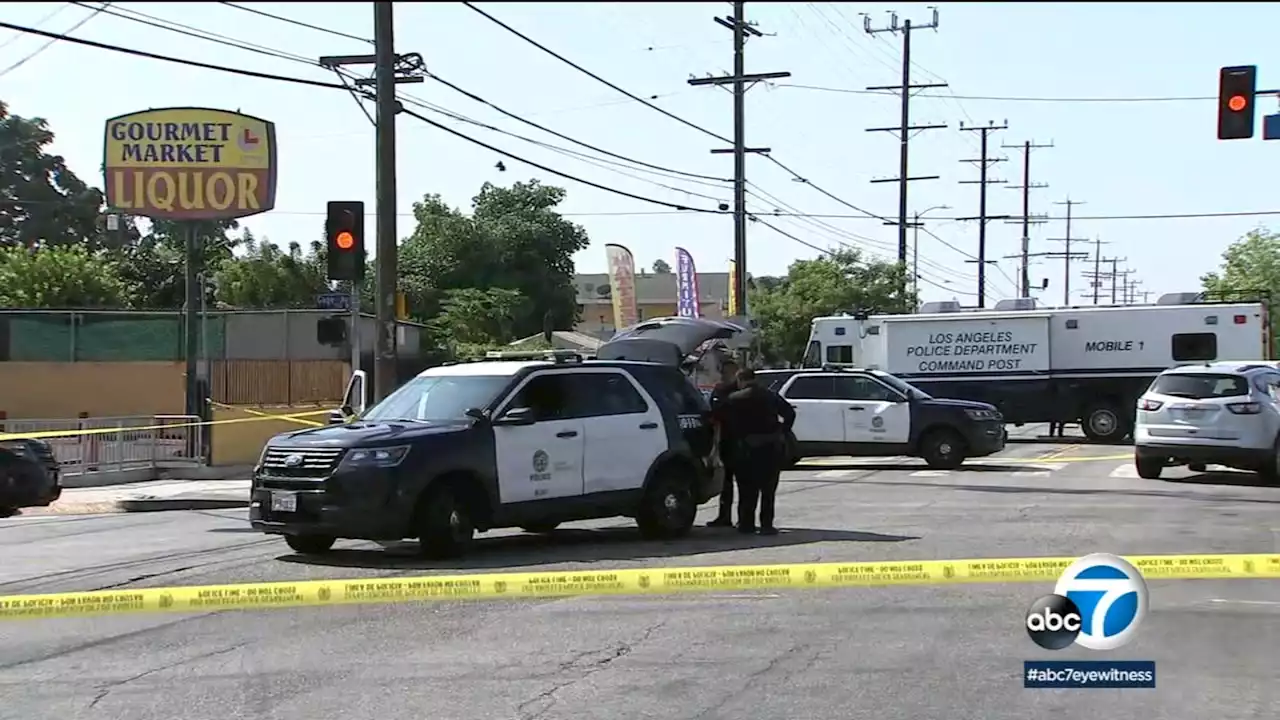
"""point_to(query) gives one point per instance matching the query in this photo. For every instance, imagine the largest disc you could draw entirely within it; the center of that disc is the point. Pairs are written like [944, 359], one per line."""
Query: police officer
[728, 384]
[758, 419]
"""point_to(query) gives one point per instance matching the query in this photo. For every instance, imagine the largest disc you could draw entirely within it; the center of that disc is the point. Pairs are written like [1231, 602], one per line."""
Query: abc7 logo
[1098, 603]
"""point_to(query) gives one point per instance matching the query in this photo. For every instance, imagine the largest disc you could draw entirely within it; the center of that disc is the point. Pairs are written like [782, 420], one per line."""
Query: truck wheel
[1104, 424]
[1149, 466]
[444, 524]
[668, 508]
[942, 449]
[540, 528]
[310, 544]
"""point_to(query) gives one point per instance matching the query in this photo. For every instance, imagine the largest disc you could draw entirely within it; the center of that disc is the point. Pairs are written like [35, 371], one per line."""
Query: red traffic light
[1237, 103]
[344, 240]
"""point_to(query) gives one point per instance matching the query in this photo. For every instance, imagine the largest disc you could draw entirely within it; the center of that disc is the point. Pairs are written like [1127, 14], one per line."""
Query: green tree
[840, 282]
[268, 277]
[478, 317]
[1250, 270]
[155, 263]
[514, 239]
[60, 277]
[661, 267]
[41, 199]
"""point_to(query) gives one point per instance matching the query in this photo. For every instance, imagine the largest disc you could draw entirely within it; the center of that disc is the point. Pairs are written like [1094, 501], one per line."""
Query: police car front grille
[312, 462]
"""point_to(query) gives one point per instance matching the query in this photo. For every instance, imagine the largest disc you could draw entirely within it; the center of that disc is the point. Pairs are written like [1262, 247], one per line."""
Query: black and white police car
[872, 413]
[501, 443]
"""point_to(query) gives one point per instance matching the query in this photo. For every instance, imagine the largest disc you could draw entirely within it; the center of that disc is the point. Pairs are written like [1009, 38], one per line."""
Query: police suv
[477, 446]
[872, 413]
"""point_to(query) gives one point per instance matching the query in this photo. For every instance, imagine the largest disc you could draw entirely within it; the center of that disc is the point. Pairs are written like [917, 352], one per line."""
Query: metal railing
[136, 442]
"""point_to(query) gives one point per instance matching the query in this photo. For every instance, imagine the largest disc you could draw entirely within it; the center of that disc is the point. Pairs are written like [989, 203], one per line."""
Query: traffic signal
[1236, 89]
[344, 235]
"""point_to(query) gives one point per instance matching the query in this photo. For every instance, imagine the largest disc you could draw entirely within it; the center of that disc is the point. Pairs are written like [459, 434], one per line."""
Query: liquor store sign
[190, 164]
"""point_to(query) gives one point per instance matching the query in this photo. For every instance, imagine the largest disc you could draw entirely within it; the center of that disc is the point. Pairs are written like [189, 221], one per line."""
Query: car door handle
[857, 408]
[567, 434]
[648, 426]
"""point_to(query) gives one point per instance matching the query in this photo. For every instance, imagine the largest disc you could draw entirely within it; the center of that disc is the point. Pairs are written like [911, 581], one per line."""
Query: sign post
[193, 166]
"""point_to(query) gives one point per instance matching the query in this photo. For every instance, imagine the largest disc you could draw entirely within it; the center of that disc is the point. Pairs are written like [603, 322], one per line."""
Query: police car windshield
[902, 386]
[443, 397]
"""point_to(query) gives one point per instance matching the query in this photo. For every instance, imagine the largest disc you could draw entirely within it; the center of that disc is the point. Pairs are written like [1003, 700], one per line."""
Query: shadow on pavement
[1069, 440]
[1229, 479]
[563, 546]
[1110, 492]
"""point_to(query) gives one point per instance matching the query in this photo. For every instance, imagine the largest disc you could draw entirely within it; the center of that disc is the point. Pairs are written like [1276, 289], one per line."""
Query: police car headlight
[376, 457]
[981, 414]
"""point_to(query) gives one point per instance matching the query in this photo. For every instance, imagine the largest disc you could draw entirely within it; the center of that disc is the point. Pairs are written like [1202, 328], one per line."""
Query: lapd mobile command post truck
[1085, 364]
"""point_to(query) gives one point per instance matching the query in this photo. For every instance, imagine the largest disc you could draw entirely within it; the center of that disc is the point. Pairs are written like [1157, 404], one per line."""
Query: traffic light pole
[355, 326]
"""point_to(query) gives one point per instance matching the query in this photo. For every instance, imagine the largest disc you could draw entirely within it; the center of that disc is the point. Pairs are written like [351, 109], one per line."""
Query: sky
[1139, 157]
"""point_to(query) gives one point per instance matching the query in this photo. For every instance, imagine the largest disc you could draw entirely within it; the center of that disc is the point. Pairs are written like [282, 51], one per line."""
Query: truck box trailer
[1085, 364]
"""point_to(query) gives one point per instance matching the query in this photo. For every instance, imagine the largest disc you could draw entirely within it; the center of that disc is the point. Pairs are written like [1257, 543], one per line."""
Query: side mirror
[516, 416]
[339, 416]
[475, 414]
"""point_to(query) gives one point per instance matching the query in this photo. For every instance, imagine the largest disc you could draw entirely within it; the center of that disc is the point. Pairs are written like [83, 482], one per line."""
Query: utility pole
[1066, 255]
[1131, 291]
[1117, 276]
[1096, 283]
[390, 69]
[904, 130]
[984, 163]
[741, 82]
[1027, 219]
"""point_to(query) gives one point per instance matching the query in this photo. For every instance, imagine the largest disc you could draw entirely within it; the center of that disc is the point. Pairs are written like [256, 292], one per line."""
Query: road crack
[104, 690]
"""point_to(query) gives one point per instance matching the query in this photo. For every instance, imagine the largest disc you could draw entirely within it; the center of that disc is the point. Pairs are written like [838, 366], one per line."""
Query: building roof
[712, 287]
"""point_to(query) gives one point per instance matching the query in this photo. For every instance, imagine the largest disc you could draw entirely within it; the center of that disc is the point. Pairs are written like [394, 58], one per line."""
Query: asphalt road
[861, 653]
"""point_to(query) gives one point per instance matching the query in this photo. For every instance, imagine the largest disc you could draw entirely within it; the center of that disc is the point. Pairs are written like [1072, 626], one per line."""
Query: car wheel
[310, 544]
[1270, 473]
[444, 524]
[1149, 466]
[540, 528]
[668, 509]
[1104, 424]
[943, 449]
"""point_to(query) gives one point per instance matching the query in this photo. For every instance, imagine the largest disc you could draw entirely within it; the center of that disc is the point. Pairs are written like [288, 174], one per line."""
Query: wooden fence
[277, 382]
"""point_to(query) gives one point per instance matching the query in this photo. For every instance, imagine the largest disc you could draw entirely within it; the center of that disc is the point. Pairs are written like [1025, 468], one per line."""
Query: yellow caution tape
[258, 596]
[267, 416]
[259, 417]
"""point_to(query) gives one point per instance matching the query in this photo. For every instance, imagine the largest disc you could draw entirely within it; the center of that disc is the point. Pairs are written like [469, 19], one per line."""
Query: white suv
[1223, 413]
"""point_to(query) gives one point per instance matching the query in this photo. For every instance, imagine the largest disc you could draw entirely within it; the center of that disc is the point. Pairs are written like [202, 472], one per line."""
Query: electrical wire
[49, 16]
[32, 55]
[299, 23]
[170, 59]
[1004, 98]
[282, 78]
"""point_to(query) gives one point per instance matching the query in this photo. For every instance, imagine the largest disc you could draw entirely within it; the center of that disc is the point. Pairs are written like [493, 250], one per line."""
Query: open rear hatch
[669, 341]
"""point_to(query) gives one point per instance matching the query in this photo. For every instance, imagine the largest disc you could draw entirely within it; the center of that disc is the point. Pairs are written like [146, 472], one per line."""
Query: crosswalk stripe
[1124, 471]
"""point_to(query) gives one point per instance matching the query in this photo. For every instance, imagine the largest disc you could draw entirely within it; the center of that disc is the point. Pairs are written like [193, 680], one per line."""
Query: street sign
[1271, 127]
[333, 301]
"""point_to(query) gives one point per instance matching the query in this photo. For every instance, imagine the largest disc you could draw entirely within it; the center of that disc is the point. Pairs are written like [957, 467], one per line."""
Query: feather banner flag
[734, 310]
[622, 286]
[688, 304]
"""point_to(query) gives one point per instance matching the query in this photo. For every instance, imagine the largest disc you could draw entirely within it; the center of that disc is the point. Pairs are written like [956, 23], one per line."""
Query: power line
[49, 16]
[1004, 98]
[314, 83]
[171, 59]
[299, 23]
[31, 56]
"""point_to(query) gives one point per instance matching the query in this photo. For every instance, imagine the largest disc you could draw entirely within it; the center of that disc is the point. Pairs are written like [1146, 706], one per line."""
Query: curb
[170, 504]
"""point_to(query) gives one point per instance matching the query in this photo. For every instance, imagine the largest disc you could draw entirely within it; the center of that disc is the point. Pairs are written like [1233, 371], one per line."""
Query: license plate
[284, 502]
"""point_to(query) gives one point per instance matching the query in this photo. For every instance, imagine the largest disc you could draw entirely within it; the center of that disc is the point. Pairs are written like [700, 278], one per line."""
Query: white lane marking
[1124, 471]
[930, 473]
[1032, 473]
[1224, 601]
[835, 474]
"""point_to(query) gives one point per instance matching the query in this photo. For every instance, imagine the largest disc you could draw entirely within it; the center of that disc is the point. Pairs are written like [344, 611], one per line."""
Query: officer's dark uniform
[758, 418]
[725, 517]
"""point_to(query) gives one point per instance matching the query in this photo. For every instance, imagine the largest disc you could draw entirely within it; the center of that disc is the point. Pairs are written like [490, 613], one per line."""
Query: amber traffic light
[344, 235]
[1236, 89]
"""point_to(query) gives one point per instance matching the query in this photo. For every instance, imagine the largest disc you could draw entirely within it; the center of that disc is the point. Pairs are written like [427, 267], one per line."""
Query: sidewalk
[150, 496]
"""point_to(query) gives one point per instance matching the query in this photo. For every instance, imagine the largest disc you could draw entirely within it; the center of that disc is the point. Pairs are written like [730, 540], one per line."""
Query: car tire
[1104, 424]
[942, 449]
[1270, 473]
[444, 524]
[1149, 467]
[310, 544]
[668, 509]
[540, 528]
